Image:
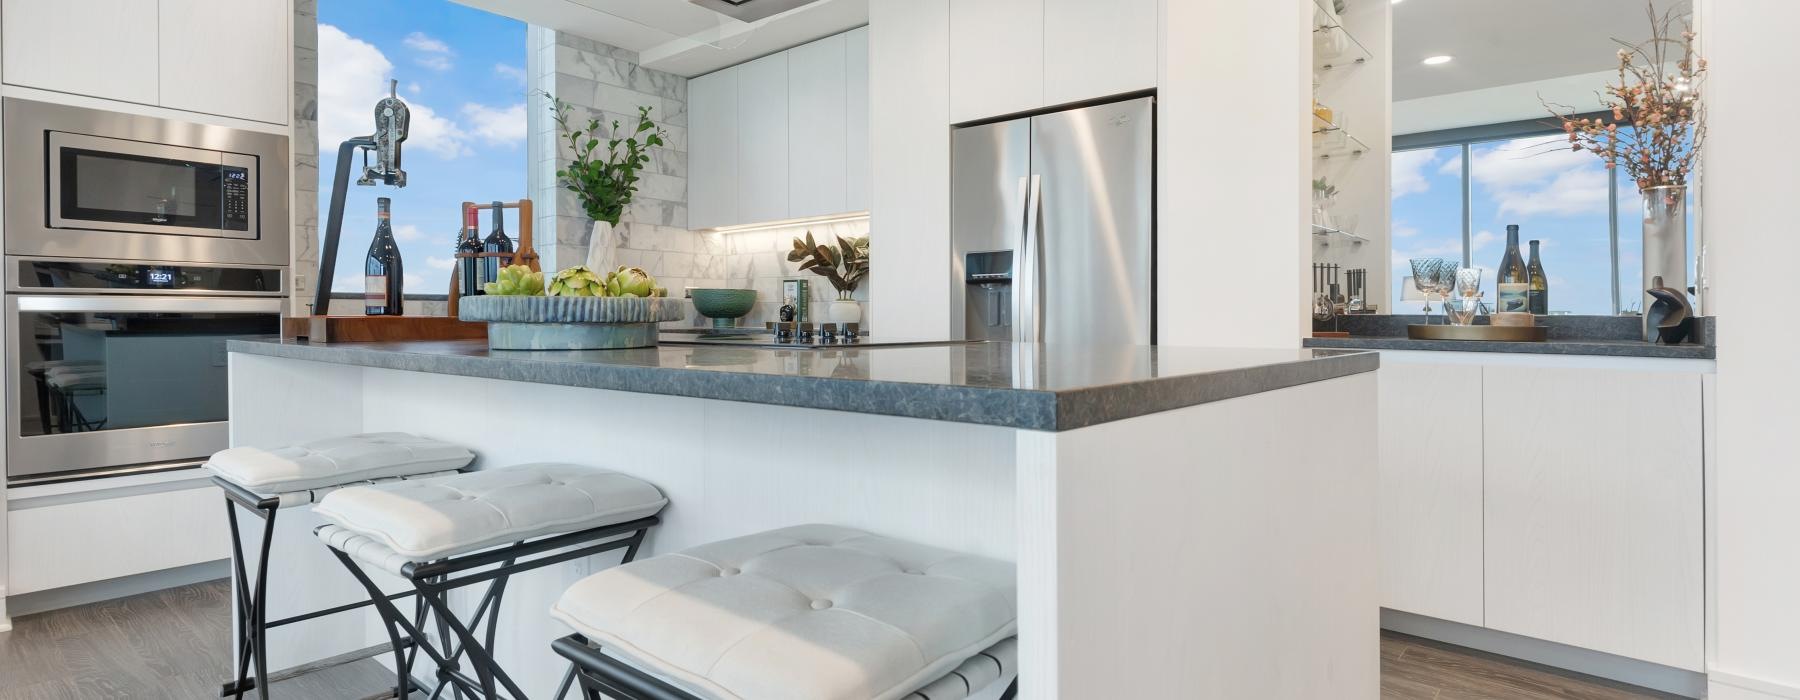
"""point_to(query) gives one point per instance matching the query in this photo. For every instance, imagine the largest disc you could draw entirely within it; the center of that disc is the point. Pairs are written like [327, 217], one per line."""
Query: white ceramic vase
[603, 248]
[845, 310]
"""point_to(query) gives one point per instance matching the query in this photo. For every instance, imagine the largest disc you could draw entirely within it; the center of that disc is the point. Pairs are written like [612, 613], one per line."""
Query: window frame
[1466, 136]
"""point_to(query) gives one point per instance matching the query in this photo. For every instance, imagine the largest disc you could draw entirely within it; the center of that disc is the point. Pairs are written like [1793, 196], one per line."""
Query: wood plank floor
[175, 644]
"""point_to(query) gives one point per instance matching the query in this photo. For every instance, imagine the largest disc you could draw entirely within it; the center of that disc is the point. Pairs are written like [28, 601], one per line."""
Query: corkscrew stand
[392, 119]
[525, 254]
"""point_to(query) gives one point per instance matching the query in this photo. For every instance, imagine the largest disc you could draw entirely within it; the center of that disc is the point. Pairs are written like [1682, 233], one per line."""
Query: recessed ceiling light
[1436, 60]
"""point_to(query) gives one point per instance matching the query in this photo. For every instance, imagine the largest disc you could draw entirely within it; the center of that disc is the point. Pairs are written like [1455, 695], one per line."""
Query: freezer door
[989, 163]
[1095, 223]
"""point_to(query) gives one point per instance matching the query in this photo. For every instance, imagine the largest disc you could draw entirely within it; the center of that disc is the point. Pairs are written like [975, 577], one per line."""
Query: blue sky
[462, 73]
[1555, 195]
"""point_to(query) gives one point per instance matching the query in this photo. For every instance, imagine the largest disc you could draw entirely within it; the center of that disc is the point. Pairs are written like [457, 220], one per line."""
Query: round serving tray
[570, 323]
[1514, 334]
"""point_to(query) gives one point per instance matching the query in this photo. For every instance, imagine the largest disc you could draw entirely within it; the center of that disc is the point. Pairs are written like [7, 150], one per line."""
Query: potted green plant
[845, 265]
[603, 174]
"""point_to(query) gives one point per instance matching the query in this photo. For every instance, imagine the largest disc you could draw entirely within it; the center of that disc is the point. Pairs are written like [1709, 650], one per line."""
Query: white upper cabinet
[763, 139]
[996, 57]
[713, 149]
[223, 57]
[816, 128]
[99, 48]
[1095, 49]
[857, 165]
[226, 57]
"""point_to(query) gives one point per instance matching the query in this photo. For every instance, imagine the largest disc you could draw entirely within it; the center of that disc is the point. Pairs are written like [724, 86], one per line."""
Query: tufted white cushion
[336, 461]
[812, 612]
[422, 519]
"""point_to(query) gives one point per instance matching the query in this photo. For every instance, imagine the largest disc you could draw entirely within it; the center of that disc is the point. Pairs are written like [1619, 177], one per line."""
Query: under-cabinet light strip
[789, 223]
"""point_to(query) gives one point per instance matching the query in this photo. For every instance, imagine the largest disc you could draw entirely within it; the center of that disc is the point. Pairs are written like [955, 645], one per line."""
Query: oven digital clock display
[160, 278]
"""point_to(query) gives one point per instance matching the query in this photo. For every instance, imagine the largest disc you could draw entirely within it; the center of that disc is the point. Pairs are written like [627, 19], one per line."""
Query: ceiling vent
[750, 10]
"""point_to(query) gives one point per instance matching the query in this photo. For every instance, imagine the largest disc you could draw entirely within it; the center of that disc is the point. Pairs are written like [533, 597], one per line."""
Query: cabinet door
[99, 48]
[1594, 509]
[1095, 49]
[816, 128]
[856, 120]
[1431, 490]
[763, 140]
[713, 149]
[242, 72]
[996, 57]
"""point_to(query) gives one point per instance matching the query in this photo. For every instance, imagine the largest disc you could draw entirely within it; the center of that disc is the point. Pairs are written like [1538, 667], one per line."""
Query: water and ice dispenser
[987, 295]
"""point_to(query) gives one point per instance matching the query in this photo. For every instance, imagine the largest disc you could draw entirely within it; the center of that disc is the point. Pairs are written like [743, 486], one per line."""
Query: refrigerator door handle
[1018, 272]
[1028, 280]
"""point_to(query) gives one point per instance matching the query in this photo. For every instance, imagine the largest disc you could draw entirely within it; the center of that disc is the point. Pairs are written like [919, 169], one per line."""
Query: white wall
[1502, 103]
[909, 143]
[1234, 173]
[1750, 48]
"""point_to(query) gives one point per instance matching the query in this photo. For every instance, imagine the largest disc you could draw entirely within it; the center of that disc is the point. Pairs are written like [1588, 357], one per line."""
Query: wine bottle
[468, 246]
[1514, 284]
[383, 273]
[496, 242]
[1538, 296]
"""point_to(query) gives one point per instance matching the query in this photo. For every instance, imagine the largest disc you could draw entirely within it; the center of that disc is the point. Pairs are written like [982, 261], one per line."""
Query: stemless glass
[1425, 278]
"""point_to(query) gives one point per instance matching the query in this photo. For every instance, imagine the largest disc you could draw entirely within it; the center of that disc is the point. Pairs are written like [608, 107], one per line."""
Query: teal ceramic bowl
[723, 306]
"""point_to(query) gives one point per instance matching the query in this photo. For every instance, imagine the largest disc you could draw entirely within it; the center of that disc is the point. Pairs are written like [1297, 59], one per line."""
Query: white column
[1747, 192]
[909, 139]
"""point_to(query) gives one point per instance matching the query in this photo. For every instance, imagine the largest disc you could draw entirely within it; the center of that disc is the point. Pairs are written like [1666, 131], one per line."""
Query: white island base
[1221, 550]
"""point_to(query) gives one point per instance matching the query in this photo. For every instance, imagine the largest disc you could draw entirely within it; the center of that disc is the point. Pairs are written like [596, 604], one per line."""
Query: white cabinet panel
[1095, 49]
[1594, 509]
[100, 48]
[86, 541]
[857, 168]
[763, 139]
[1430, 518]
[713, 149]
[816, 128]
[996, 57]
[226, 57]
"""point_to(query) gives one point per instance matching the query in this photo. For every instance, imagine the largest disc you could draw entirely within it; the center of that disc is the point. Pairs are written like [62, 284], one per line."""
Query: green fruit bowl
[723, 306]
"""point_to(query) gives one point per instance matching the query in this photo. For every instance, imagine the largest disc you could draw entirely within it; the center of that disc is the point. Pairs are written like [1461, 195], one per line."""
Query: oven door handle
[161, 304]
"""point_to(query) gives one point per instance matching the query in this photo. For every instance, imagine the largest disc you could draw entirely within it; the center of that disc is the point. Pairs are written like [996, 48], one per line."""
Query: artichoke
[577, 281]
[516, 281]
[629, 282]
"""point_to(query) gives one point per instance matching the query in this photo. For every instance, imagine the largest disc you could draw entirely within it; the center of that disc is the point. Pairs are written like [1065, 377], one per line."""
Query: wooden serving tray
[1513, 334]
[373, 329]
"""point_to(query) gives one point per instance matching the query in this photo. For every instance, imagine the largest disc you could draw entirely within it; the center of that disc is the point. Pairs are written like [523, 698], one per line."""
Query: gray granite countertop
[1611, 348]
[1033, 387]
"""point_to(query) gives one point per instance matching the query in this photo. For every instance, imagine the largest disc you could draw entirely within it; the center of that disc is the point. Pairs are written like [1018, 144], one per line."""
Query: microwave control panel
[235, 199]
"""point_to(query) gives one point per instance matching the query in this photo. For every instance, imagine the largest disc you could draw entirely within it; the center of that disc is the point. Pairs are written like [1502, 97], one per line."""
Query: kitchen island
[1170, 509]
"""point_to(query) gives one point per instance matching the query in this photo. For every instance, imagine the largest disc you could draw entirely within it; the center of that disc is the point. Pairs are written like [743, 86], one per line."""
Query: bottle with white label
[1513, 280]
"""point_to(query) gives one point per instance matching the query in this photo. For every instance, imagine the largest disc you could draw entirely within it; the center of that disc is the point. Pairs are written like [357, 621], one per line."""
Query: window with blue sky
[462, 73]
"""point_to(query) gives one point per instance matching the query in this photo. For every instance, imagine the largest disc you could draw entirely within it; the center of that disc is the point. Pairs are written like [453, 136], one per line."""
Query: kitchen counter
[1033, 387]
[1610, 348]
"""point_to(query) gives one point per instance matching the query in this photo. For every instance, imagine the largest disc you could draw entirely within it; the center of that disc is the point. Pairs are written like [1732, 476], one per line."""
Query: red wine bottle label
[375, 290]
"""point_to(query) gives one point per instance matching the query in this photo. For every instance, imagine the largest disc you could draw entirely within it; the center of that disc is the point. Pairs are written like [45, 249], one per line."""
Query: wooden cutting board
[375, 329]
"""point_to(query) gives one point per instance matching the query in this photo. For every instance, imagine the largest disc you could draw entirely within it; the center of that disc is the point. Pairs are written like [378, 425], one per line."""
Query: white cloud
[412, 88]
[1540, 175]
[504, 125]
[433, 53]
[413, 282]
[510, 71]
[1409, 172]
[1481, 240]
[353, 75]
[1453, 166]
[1402, 230]
[437, 263]
[408, 232]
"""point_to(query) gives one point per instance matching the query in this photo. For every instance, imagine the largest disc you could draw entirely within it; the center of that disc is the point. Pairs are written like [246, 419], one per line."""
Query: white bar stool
[812, 611]
[265, 481]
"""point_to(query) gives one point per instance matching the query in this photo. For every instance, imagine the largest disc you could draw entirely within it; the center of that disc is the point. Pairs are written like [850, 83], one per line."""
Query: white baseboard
[85, 593]
[1644, 674]
[1723, 685]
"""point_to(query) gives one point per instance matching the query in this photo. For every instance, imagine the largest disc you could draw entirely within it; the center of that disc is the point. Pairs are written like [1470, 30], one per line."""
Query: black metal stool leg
[252, 602]
[1012, 690]
[487, 671]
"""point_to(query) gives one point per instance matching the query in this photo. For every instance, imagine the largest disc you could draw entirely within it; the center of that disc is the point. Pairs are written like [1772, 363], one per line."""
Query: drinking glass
[1460, 310]
[1468, 282]
[1425, 279]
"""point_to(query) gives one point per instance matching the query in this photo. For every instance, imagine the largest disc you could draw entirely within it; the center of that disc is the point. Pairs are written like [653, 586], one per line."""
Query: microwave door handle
[71, 303]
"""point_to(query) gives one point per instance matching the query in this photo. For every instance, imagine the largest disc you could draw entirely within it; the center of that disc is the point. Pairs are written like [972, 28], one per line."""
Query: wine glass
[1444, 283]
[1424, 276]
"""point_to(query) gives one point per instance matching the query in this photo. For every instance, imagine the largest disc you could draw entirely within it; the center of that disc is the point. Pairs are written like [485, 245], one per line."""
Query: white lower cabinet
[1431, 490]
[86, 541]
[1593, 497]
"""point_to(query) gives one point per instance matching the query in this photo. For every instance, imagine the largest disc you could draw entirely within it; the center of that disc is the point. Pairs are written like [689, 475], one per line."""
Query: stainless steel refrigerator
[1053, 226]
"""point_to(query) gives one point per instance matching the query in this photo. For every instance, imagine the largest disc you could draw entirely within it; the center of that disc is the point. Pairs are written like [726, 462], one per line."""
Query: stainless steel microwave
[94, 184]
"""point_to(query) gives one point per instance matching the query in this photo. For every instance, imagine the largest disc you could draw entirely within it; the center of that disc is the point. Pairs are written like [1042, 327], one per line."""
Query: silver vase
[1665, 239]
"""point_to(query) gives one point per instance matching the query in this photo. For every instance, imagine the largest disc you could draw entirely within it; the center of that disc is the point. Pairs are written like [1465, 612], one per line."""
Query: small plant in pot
[604, 173]
[845, 265]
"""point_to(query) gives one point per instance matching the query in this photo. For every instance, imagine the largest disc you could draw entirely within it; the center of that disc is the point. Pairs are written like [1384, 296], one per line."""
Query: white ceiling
[680, 37]
[1503, 42]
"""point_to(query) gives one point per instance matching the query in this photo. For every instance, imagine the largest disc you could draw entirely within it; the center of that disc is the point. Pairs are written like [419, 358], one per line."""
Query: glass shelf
[1327, 232]
[1332, 141]
[1333, 46]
